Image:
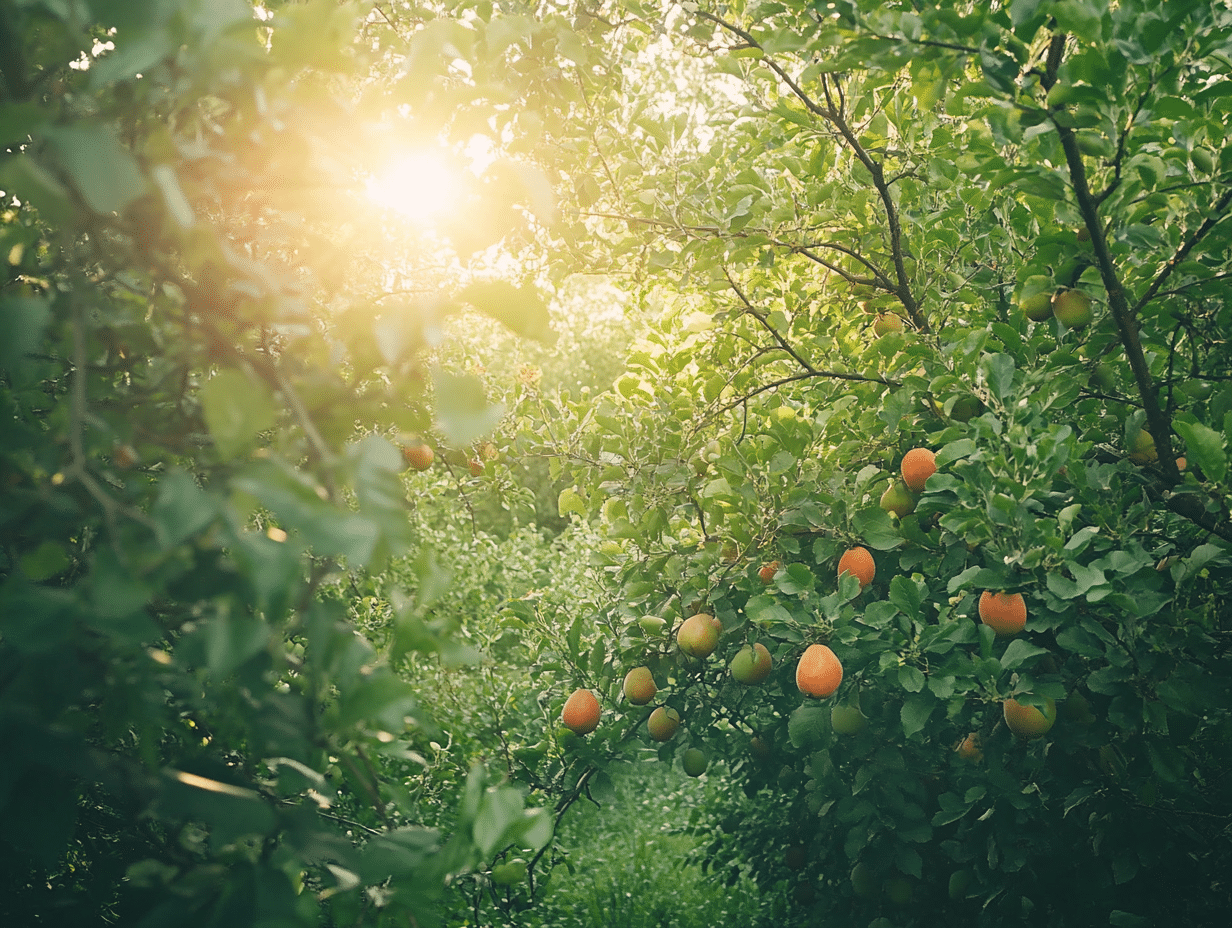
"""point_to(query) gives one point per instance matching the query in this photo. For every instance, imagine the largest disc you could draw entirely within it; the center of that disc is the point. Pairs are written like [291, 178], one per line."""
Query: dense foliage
[253, 670]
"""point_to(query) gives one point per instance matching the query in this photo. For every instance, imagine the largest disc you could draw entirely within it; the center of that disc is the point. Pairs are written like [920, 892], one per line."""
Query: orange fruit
[887, 323]
[581, 712]
[918, 465]
[698, 635]
[1004, 613]
[969, 748]
[859, 563]
[768, 571]
[663, 723]
[639, 686]
[1028, 721]
[819, 672]
[418, 456]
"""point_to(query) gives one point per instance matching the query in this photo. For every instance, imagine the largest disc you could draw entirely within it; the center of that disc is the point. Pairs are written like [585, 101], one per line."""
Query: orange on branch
[918, 465]
[1027, 721]
[663, 723]
[1004, 613]
[581, 712]
[859, 563]
[819, 672]
[639, 686]
[698, 635]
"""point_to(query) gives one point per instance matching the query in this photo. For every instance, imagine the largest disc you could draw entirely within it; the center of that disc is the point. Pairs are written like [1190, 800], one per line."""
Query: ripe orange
[1004, 613]
[918, 465]
[1027, 721]
[969, 748]
[581, 712]
[819, 672]
[639, 686]
[859, 563]
[418, 456]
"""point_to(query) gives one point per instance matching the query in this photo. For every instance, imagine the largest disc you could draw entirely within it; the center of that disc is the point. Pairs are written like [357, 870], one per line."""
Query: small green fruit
[663, 723]
[751, 665]
[1072, 308]
[847, 720]
[864, 882]
[694, 762]
[510, 872]
[897, 499]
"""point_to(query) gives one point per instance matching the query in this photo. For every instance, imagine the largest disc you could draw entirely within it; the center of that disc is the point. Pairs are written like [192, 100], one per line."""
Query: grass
[632, 863]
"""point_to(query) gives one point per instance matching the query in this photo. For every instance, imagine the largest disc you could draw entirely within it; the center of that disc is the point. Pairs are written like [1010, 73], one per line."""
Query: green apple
[966, 408]
[847, 720]
[663, 723]
[1143, 450]
[897, 499]
[694, 762]
[864, 881]
[751, 664]
[1072, 308]
[698, 636]
[509, 872]
[887, 323]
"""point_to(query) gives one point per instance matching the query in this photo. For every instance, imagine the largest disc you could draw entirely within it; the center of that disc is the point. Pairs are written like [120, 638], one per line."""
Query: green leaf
[45, 561]
[915, 712]
[463, 411]
[911, 679]
[23, 320]
[182, 509]
[237, 409]
[521, 310]
[1000, 374]
[1018, 651]
[875, 527]
[102, 170]
[1206, 448]
[907, 596]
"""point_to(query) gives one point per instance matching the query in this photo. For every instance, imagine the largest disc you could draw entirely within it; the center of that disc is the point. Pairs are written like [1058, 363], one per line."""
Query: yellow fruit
[1004, 613]
[1027, 721]
[581, 712]
[887, 323]
[698, 636]
[918, 465]
[639, 686]
[819, 672]
[1072, 308]
[1037, 308]
[751, 664]
[1143, 450]
[663, 723]
[859, 563]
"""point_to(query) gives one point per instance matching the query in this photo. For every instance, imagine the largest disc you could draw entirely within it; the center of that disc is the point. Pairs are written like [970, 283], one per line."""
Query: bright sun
[422, 186]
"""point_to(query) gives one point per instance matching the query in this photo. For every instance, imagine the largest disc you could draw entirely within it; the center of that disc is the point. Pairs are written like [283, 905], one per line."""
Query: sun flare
[423, 186]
